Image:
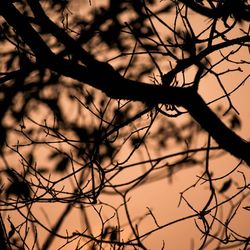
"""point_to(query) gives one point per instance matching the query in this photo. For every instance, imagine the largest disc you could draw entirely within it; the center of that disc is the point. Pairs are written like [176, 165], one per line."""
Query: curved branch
[218, 12]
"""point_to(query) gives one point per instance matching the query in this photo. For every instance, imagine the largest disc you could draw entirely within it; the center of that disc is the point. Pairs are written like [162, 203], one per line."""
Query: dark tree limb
[217, 12]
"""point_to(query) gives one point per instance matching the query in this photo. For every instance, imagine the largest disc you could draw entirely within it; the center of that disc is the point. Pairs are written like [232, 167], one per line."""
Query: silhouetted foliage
[109, 110]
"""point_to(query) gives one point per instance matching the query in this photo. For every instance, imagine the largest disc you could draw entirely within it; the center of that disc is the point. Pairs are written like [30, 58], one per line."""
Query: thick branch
[187, 62]
[218, 12]
[224, 136]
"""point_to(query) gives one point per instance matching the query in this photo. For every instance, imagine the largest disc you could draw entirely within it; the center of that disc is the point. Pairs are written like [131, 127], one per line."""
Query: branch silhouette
[103, 104]
[118, 87]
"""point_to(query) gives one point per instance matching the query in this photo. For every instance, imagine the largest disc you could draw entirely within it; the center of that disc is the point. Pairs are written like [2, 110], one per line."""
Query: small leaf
[105, 232]
[53, 155]
[168, 8]
[113, 234]
[247, 208]
[235, 122]
[42, 170]
[149, 46]
[226, 185]
[11, 174]
[18, 188]
[136, 142]
[12, 230]
[62, 165]
[89, 99]
[31, 160]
